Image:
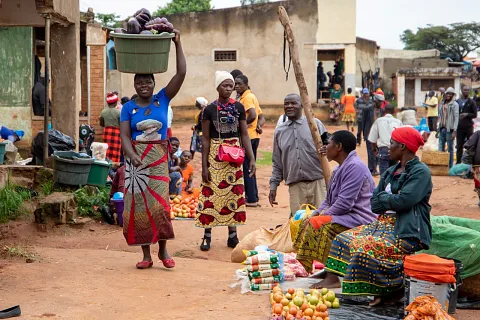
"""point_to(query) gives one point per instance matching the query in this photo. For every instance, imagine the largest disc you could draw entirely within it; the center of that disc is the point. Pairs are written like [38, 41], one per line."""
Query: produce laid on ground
[298, 305]
[183, 207]
[143, 23]
[426, 308]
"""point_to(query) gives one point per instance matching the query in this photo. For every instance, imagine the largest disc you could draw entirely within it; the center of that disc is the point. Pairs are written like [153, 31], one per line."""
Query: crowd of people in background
[353, 214]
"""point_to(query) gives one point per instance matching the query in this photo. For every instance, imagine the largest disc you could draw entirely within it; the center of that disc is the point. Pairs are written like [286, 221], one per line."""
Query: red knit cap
[111, 98]
[408, 136]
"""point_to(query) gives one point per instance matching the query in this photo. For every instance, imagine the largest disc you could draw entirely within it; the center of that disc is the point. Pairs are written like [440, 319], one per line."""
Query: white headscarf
[221, 76]
[202, 102]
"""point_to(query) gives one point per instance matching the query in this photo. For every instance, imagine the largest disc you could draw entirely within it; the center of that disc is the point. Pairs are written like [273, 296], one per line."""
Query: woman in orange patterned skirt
[143, 129]
[222, 201]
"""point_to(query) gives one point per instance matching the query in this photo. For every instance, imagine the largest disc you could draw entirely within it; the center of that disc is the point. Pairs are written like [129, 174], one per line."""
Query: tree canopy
[108, 19]
[456, 39]
[247, 2]
[181, 6]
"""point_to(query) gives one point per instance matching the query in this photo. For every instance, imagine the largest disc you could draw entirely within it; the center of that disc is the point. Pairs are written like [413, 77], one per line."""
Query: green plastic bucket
[2, 151]
[70, 169]
[142, 53]
[99, 173]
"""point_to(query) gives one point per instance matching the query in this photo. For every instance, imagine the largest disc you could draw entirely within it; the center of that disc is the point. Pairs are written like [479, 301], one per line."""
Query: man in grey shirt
[295, 158]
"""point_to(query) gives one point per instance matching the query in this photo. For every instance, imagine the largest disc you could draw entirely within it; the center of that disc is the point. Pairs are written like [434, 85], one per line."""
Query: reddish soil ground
[90, 273]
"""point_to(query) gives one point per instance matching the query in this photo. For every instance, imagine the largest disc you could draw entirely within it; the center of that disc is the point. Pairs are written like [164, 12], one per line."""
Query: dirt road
[90, 273]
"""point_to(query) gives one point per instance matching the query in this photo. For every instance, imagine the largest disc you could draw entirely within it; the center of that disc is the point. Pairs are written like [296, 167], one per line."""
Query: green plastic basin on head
[142, 53]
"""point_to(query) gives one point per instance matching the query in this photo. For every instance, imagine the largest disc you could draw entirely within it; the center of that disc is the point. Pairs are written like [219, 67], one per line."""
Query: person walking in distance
[364, 102]
[447, 123]
[295, 158]
[348, 102]
[468, 111]
[380, 136]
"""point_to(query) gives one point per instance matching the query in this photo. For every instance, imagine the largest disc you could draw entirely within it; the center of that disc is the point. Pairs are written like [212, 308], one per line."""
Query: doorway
[409, 92]
[330, 71]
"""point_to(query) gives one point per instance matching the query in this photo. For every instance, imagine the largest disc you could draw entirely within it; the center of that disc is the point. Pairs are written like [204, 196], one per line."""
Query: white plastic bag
[432, 143]
[99, 150]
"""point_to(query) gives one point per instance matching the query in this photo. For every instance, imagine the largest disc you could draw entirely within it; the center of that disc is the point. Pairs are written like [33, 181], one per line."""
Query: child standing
[196, 144]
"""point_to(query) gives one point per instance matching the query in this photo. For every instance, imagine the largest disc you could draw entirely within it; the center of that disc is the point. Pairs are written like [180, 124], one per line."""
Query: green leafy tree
[247, 2]
[108, 19]
[181, 6]
[456, 39]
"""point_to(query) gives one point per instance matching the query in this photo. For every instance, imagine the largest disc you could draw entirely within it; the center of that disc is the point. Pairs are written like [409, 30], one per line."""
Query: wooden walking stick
[285, 20]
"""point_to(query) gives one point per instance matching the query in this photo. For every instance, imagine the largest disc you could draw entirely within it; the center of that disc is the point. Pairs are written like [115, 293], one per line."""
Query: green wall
[16, 66]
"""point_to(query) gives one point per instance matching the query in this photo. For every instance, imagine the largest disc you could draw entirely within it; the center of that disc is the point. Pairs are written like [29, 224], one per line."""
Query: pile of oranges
[183, 207]
[298, 305]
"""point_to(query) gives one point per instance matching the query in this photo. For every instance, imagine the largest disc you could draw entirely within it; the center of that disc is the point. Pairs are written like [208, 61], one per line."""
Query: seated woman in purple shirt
[347, 204]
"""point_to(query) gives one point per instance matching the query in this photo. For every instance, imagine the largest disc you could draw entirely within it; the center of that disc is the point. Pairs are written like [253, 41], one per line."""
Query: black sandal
[205, 246]
[232, 242]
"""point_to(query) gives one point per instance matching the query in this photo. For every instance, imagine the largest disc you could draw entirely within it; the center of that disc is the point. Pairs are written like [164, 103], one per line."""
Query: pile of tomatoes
[183, 207]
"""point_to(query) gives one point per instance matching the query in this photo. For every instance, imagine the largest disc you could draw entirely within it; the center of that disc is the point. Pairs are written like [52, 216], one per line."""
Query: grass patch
[264, 158]
[89, 199]
[47, 188]
[19, 252]
[12, 202]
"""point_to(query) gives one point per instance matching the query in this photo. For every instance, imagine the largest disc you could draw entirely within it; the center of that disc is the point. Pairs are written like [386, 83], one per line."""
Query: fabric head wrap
[111, 98]
[221, 76]
[408, 136]
[202, 101]
[379, 97]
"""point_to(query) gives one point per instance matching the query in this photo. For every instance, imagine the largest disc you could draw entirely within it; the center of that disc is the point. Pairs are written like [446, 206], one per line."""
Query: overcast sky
[380, 20]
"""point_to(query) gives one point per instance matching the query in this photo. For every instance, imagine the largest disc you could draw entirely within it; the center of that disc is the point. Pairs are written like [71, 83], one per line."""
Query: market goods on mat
[263, 266]
[295, 304]
[262, 258]
[426, 308]
[142, 23]
[183, 207]
[292, 265]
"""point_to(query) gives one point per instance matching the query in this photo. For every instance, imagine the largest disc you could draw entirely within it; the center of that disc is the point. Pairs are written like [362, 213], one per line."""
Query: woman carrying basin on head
[143, 129]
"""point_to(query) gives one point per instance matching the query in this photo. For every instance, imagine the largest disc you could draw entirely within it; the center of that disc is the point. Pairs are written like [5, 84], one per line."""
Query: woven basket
[437, 170]
[436, 158]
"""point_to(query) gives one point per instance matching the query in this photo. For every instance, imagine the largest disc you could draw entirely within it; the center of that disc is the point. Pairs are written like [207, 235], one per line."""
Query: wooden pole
[302, 86]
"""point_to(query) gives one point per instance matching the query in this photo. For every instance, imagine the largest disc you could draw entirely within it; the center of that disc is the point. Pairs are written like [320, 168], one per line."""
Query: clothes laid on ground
[111, 117]
[347, 204]
[222, 201]
[157, 111]
[146, 218]
[111, 136]
[370, 257]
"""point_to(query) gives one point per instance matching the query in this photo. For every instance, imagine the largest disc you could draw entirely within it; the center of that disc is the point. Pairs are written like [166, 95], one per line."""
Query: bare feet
[319, 275]
[377, 301]
[331, 281]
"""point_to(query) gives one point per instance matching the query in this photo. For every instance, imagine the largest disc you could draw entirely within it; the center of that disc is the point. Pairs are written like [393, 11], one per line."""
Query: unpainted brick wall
[97, 98]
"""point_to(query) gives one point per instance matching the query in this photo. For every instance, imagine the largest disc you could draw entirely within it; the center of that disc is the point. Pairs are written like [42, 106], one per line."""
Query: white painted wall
[401, 91]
